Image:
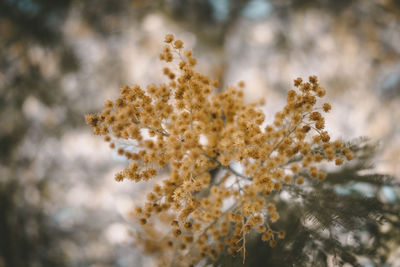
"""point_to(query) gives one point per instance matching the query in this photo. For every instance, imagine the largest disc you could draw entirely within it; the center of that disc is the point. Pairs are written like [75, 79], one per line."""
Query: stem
[226, 167]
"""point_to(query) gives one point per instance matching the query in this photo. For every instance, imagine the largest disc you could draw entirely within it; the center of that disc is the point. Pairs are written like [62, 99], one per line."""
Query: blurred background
[59, 60]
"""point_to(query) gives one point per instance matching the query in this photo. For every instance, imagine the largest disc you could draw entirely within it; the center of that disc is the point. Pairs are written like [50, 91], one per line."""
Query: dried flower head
[198, 134]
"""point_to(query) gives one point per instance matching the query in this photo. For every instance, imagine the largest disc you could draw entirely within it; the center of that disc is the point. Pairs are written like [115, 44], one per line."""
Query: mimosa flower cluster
[220, 161]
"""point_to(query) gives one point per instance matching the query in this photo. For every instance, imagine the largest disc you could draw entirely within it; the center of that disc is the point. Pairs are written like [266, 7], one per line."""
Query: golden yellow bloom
[198, 133]
[178, 44]
[169, 38]
[282, 234]
[298, 82]
[300, 180]
[339, 161]
[326, 107]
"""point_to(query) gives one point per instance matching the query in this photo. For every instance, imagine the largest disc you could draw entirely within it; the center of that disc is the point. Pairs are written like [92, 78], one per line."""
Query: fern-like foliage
[345, 219]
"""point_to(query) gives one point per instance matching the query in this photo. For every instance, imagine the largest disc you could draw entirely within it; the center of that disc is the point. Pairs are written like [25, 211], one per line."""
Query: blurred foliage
[211, 20]
[31, 31]
[28, 238]
[34, 30]
[23, 25]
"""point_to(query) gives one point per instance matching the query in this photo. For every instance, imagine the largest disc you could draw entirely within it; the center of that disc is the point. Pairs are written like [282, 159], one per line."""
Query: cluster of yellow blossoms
[223, 161]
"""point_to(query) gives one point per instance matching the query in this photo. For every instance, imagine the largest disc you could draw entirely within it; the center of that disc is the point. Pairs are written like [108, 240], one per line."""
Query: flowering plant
[220, 160]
